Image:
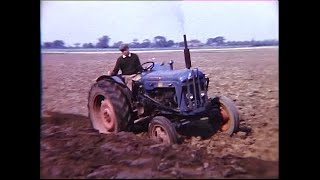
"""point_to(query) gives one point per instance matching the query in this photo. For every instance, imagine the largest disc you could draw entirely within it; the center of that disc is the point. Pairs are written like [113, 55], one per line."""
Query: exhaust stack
[186, 53]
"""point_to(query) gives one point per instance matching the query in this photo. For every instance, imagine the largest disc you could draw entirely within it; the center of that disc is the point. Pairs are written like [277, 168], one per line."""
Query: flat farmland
[70, 149]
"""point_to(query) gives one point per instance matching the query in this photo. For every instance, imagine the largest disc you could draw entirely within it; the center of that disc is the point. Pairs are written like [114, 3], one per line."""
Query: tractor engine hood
[171, 75]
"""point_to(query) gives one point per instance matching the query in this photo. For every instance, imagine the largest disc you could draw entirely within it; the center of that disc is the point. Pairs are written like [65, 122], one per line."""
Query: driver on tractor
[129, 64]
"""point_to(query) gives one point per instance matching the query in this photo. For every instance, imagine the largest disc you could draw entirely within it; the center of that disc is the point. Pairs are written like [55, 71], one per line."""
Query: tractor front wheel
[230, 114]
[162, 130]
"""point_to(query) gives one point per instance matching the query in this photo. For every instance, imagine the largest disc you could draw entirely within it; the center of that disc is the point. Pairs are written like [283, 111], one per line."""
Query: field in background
[142, 50]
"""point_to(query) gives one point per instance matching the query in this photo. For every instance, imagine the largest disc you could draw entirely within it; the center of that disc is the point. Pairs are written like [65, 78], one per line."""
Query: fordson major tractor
[163, 100]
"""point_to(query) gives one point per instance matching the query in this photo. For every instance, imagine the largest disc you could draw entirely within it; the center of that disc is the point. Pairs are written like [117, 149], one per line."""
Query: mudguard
[115, 78]
[119, 81]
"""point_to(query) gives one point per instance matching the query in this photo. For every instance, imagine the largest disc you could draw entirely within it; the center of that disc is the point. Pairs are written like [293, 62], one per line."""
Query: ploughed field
[71, 149]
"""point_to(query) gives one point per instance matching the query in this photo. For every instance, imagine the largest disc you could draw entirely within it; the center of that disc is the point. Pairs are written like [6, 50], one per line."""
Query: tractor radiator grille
[195, 91]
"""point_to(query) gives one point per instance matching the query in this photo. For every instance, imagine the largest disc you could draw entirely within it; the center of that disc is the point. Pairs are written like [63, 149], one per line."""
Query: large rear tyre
[162, 130]
[109, 109]
[230, 114]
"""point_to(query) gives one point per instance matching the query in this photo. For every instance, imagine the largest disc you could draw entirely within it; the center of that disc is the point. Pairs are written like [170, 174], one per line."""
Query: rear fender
[120, 81]
[115, 78]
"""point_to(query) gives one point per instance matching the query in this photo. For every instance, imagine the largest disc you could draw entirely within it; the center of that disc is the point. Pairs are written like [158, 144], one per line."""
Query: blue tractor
[163, 101]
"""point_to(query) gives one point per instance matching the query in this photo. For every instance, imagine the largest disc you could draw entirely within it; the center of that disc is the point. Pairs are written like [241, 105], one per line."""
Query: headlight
[202, 94]
[189, 96]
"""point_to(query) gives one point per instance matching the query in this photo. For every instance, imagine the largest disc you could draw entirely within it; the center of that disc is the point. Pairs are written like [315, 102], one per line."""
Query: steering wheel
[148, 67]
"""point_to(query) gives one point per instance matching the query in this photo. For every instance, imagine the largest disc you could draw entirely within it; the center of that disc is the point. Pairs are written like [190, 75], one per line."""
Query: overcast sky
[86, 21]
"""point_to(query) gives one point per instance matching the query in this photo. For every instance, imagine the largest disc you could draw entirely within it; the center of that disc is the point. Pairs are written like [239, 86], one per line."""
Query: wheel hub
[107, 115]
[161, 135]
[226, 118]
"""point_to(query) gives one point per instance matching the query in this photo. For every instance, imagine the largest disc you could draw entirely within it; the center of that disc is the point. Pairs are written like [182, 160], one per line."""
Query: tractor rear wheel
[109, 109]
[162, 130]
[230, 114]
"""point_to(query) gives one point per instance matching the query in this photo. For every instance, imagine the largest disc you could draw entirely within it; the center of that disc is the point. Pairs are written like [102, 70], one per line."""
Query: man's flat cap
[123, 47]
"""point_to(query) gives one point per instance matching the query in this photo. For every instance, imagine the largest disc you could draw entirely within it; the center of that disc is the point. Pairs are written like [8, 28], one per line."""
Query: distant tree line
[159, 42]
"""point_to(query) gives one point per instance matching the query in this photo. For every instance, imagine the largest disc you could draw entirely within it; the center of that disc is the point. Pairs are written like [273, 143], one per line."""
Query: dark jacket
[128, 65]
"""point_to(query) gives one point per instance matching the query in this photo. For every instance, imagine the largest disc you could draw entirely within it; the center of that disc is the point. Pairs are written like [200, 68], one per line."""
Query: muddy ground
[71, 149]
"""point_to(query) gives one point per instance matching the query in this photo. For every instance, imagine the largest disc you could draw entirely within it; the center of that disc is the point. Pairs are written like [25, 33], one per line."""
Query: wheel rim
[104, 112]
[226, 122]
[160, 134]
[107, 115]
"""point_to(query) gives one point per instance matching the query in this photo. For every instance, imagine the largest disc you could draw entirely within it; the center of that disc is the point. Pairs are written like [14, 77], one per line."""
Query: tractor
[162, 101]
